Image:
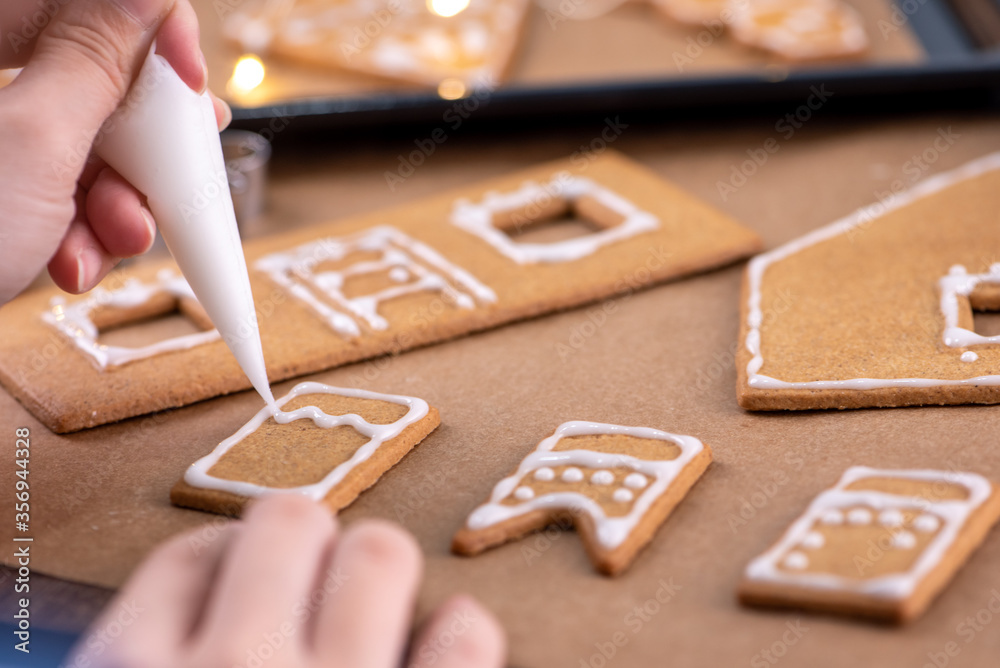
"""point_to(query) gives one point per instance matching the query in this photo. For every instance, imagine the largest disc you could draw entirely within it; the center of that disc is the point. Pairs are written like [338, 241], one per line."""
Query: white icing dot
[890, 518]
[636, 480]
[832, 517]
[813, 540]
[622, 495]
[926, 523]
[859, 516]
[969, 356]
[796, 561]
[572, 474]
[602, 478]
[904, 540]
[399, 274]
[524, 493]
[545, 474]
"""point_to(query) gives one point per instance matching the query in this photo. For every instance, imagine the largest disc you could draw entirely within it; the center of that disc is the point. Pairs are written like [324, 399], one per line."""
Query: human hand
[60, 205]
[282, 589]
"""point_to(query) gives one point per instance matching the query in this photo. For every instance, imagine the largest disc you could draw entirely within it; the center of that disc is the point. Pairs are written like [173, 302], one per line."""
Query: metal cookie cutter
[246, 155]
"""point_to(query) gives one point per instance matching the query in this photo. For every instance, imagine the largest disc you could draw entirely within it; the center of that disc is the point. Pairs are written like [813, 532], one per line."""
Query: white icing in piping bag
[165, 141]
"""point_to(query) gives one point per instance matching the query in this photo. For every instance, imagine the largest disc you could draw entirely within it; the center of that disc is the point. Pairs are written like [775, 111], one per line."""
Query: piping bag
[165, 141]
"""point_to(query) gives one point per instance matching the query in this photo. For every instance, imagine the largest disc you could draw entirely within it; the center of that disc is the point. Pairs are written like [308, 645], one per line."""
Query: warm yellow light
[447, 7]
[247, 75]
[451, 89]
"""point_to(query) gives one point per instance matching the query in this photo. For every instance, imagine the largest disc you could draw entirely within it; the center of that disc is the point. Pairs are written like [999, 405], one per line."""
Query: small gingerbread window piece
[616, 484]
[327, 443]
[881, 544]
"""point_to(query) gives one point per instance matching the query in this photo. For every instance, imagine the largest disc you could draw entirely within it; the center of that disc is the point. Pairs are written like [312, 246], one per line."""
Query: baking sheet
[633, 47]
[663, 359]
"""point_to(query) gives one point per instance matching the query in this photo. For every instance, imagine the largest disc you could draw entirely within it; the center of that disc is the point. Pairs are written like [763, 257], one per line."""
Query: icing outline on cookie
[859, 219]
[197, 475]
[960, 283]
[293, 270]
[477, 219]
[74, 319]
[951, 516]
[610, 531]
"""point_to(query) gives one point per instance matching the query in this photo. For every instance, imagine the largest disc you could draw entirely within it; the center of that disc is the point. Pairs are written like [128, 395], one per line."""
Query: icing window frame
[76, 320]
[959, 299]
[294, 270]
[563, 191]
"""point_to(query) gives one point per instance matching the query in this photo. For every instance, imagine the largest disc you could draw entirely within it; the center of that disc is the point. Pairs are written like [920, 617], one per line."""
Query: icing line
[197, 475]
[610, 531]
[951, 514]
[863, 216]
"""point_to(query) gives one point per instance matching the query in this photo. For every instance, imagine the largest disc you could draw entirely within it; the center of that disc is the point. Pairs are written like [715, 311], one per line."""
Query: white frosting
[969, 356]
[524, 493]
[959, 283]
[796, 36]
[401, 256]
[602, 477]
[164, 139]
[832, 517]
[796, 561]
[891, 518]
[636, 480]
[813, 540]
[953, 514]
[862, 217]
[610, 531]
[926, 523]
[477, 219]
[74, 320]
[904, 540]
[545, 474]
[859, 516]
[197, 475]
[572, 474]
[622, 495]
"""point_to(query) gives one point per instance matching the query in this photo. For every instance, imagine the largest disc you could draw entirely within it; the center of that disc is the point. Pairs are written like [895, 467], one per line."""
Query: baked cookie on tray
[616, 484]
[420, 41]
[880, 543]
[878, 308]
[327, 443]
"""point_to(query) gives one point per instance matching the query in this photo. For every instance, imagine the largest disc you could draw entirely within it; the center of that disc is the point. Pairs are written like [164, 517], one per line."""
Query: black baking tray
[962, 68]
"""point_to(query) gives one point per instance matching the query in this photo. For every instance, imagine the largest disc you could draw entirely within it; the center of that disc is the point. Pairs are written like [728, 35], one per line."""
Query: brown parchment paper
[631, 42]
[662, 359]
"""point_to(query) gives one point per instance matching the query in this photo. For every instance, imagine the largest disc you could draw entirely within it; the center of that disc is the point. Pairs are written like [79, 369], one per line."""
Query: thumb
[85, 61]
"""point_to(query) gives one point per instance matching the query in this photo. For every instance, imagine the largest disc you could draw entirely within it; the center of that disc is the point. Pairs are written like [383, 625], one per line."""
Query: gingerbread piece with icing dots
[881, 544]
[459, 45]
[616, 484]
[799, 29]
[327, 443]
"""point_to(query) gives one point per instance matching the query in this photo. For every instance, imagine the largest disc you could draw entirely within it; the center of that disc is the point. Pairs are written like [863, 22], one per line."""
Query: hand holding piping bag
[60, 204]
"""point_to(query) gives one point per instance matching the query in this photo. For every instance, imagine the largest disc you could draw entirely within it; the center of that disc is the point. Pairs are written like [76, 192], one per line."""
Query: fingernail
[88, 264]
[227, 114]
[204, 72]
[147, 216]
[145, 12]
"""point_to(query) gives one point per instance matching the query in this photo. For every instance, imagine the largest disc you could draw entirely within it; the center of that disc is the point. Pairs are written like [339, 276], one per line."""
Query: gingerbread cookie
[881, 544]
[695, 12]
[382, 283]
[327, 443]
[422, 41]
[616, 484]
[799, 29]
[876, 309]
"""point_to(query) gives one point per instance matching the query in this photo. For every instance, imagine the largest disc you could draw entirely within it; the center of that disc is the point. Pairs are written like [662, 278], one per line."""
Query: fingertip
[476, 637]
[118, 216]
[223, 113]
[178, 42]
[80, 262]
[384, 544]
